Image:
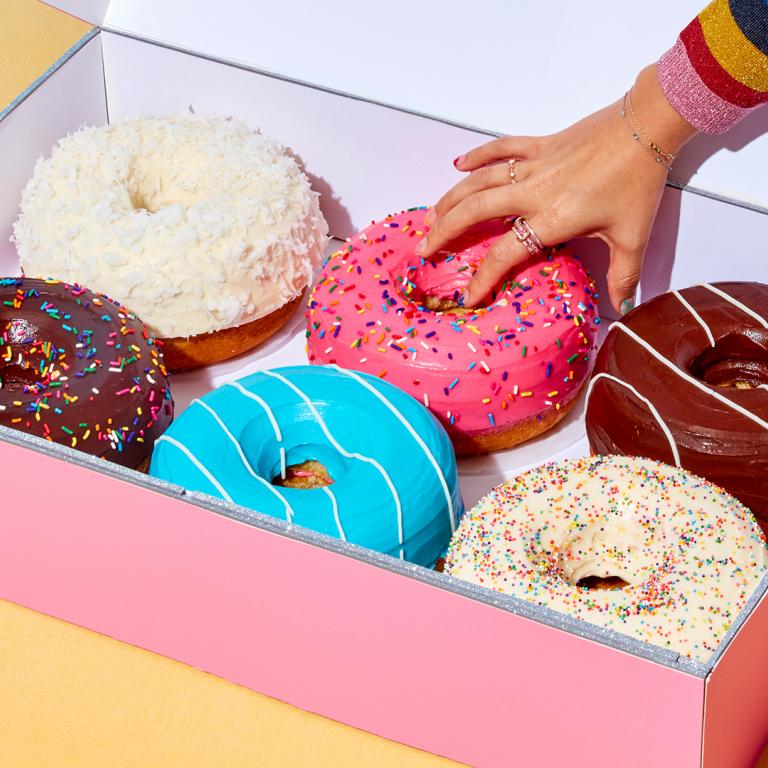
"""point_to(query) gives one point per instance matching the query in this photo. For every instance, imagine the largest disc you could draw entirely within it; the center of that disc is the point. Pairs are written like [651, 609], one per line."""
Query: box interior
[366, 160]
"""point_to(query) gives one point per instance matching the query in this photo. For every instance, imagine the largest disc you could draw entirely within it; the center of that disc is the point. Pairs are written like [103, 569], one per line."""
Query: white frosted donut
[691, 555]
[197, 224]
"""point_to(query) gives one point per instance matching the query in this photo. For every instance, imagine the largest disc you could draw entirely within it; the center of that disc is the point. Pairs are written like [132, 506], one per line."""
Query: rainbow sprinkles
[78, 369]
[381, 309]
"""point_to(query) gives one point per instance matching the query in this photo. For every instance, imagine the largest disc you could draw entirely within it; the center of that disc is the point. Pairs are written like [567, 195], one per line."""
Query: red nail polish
[458, 161]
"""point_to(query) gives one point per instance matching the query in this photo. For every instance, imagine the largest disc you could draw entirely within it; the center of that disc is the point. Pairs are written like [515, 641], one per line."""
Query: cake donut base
[186, 354]
[143, 466]
[467, 444]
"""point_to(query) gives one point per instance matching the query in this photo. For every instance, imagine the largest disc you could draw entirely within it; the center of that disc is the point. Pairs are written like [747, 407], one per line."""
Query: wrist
[657, 116]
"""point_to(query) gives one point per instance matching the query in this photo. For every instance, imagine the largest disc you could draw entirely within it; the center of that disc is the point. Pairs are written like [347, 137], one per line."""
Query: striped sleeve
[717, 71]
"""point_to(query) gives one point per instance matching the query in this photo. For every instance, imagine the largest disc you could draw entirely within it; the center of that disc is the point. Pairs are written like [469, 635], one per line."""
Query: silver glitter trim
[55, 67]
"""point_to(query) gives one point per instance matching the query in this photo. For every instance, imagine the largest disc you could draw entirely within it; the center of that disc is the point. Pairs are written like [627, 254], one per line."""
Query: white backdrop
[513, 66]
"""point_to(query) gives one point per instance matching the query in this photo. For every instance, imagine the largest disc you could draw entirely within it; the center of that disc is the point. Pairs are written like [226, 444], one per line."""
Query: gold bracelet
[638, 134]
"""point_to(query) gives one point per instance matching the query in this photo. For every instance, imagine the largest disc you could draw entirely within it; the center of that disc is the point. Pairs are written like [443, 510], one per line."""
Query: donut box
[363, 638]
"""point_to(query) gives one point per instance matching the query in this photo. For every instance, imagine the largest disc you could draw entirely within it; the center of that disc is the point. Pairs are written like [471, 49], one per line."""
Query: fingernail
[429, 218]
[463, 299]
[458, 161]
[626, 306]
[422, 246]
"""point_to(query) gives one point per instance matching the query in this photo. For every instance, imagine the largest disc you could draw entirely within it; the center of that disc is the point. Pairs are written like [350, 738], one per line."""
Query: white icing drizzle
[762, 386]
[348, 454]
[651, 408]
[263, 403]
[335, 506]
[736, 303]
[191, 456]
[696, 383]
[696, 317]
[270, 415]
[288, 508]
[430, 456]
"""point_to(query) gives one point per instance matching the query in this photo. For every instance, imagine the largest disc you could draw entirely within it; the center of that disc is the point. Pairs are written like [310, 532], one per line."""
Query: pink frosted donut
[494, 376]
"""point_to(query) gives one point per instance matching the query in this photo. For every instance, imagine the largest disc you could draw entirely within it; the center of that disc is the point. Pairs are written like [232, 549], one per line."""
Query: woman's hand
[592, 179]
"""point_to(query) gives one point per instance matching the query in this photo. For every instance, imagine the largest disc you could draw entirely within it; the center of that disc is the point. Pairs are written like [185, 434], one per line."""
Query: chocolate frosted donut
[78, 369]
[684, 379]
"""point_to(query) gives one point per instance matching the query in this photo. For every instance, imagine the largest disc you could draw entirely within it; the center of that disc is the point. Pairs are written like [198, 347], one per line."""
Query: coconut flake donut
[493, 376]
[343, 453]
[688, 554]
[78, 369]
[683, 378]
[207, 230]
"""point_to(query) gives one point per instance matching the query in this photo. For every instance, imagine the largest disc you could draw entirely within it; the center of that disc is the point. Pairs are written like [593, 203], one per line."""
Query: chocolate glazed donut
[77, 368]
[684, 379]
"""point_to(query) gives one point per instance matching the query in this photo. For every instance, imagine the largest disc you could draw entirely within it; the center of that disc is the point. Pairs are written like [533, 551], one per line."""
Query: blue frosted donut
[395, 486]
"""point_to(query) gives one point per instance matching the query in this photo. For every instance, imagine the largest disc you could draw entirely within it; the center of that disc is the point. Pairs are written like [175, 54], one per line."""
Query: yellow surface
[72, 698]
[32, 37]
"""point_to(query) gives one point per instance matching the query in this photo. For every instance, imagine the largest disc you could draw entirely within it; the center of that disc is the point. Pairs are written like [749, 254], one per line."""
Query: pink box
[392, 648]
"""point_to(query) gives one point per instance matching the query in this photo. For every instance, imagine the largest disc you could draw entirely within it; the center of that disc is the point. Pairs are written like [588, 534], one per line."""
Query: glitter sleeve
[717, 71]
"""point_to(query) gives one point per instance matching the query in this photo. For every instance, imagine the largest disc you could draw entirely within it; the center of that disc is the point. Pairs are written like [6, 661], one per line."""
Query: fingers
[504, 254]
[477, 207]
[487, 177]
[623, 277]
[498, 149]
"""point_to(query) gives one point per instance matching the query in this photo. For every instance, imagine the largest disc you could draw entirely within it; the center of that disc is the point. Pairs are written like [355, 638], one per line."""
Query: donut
[683, 378]
[494, 376]
[78, 369]
[342, 453]
[624, 543]
[205, 229]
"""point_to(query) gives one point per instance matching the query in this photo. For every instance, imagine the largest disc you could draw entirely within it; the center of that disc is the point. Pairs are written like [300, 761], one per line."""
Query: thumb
[623, 277]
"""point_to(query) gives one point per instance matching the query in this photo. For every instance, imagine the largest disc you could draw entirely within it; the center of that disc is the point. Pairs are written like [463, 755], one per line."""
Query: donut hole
[25, 360]
[599, 582]
[305, 475]
[437, 285]
[146, 196]
[139, 203]
[16, 377]
[300, 441]
[601, 556]
[155, 182]
[738, 360]
[306, 465]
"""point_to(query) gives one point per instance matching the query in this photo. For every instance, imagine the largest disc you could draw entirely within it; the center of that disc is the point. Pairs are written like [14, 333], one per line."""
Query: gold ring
[525, 234]
[512, 174]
